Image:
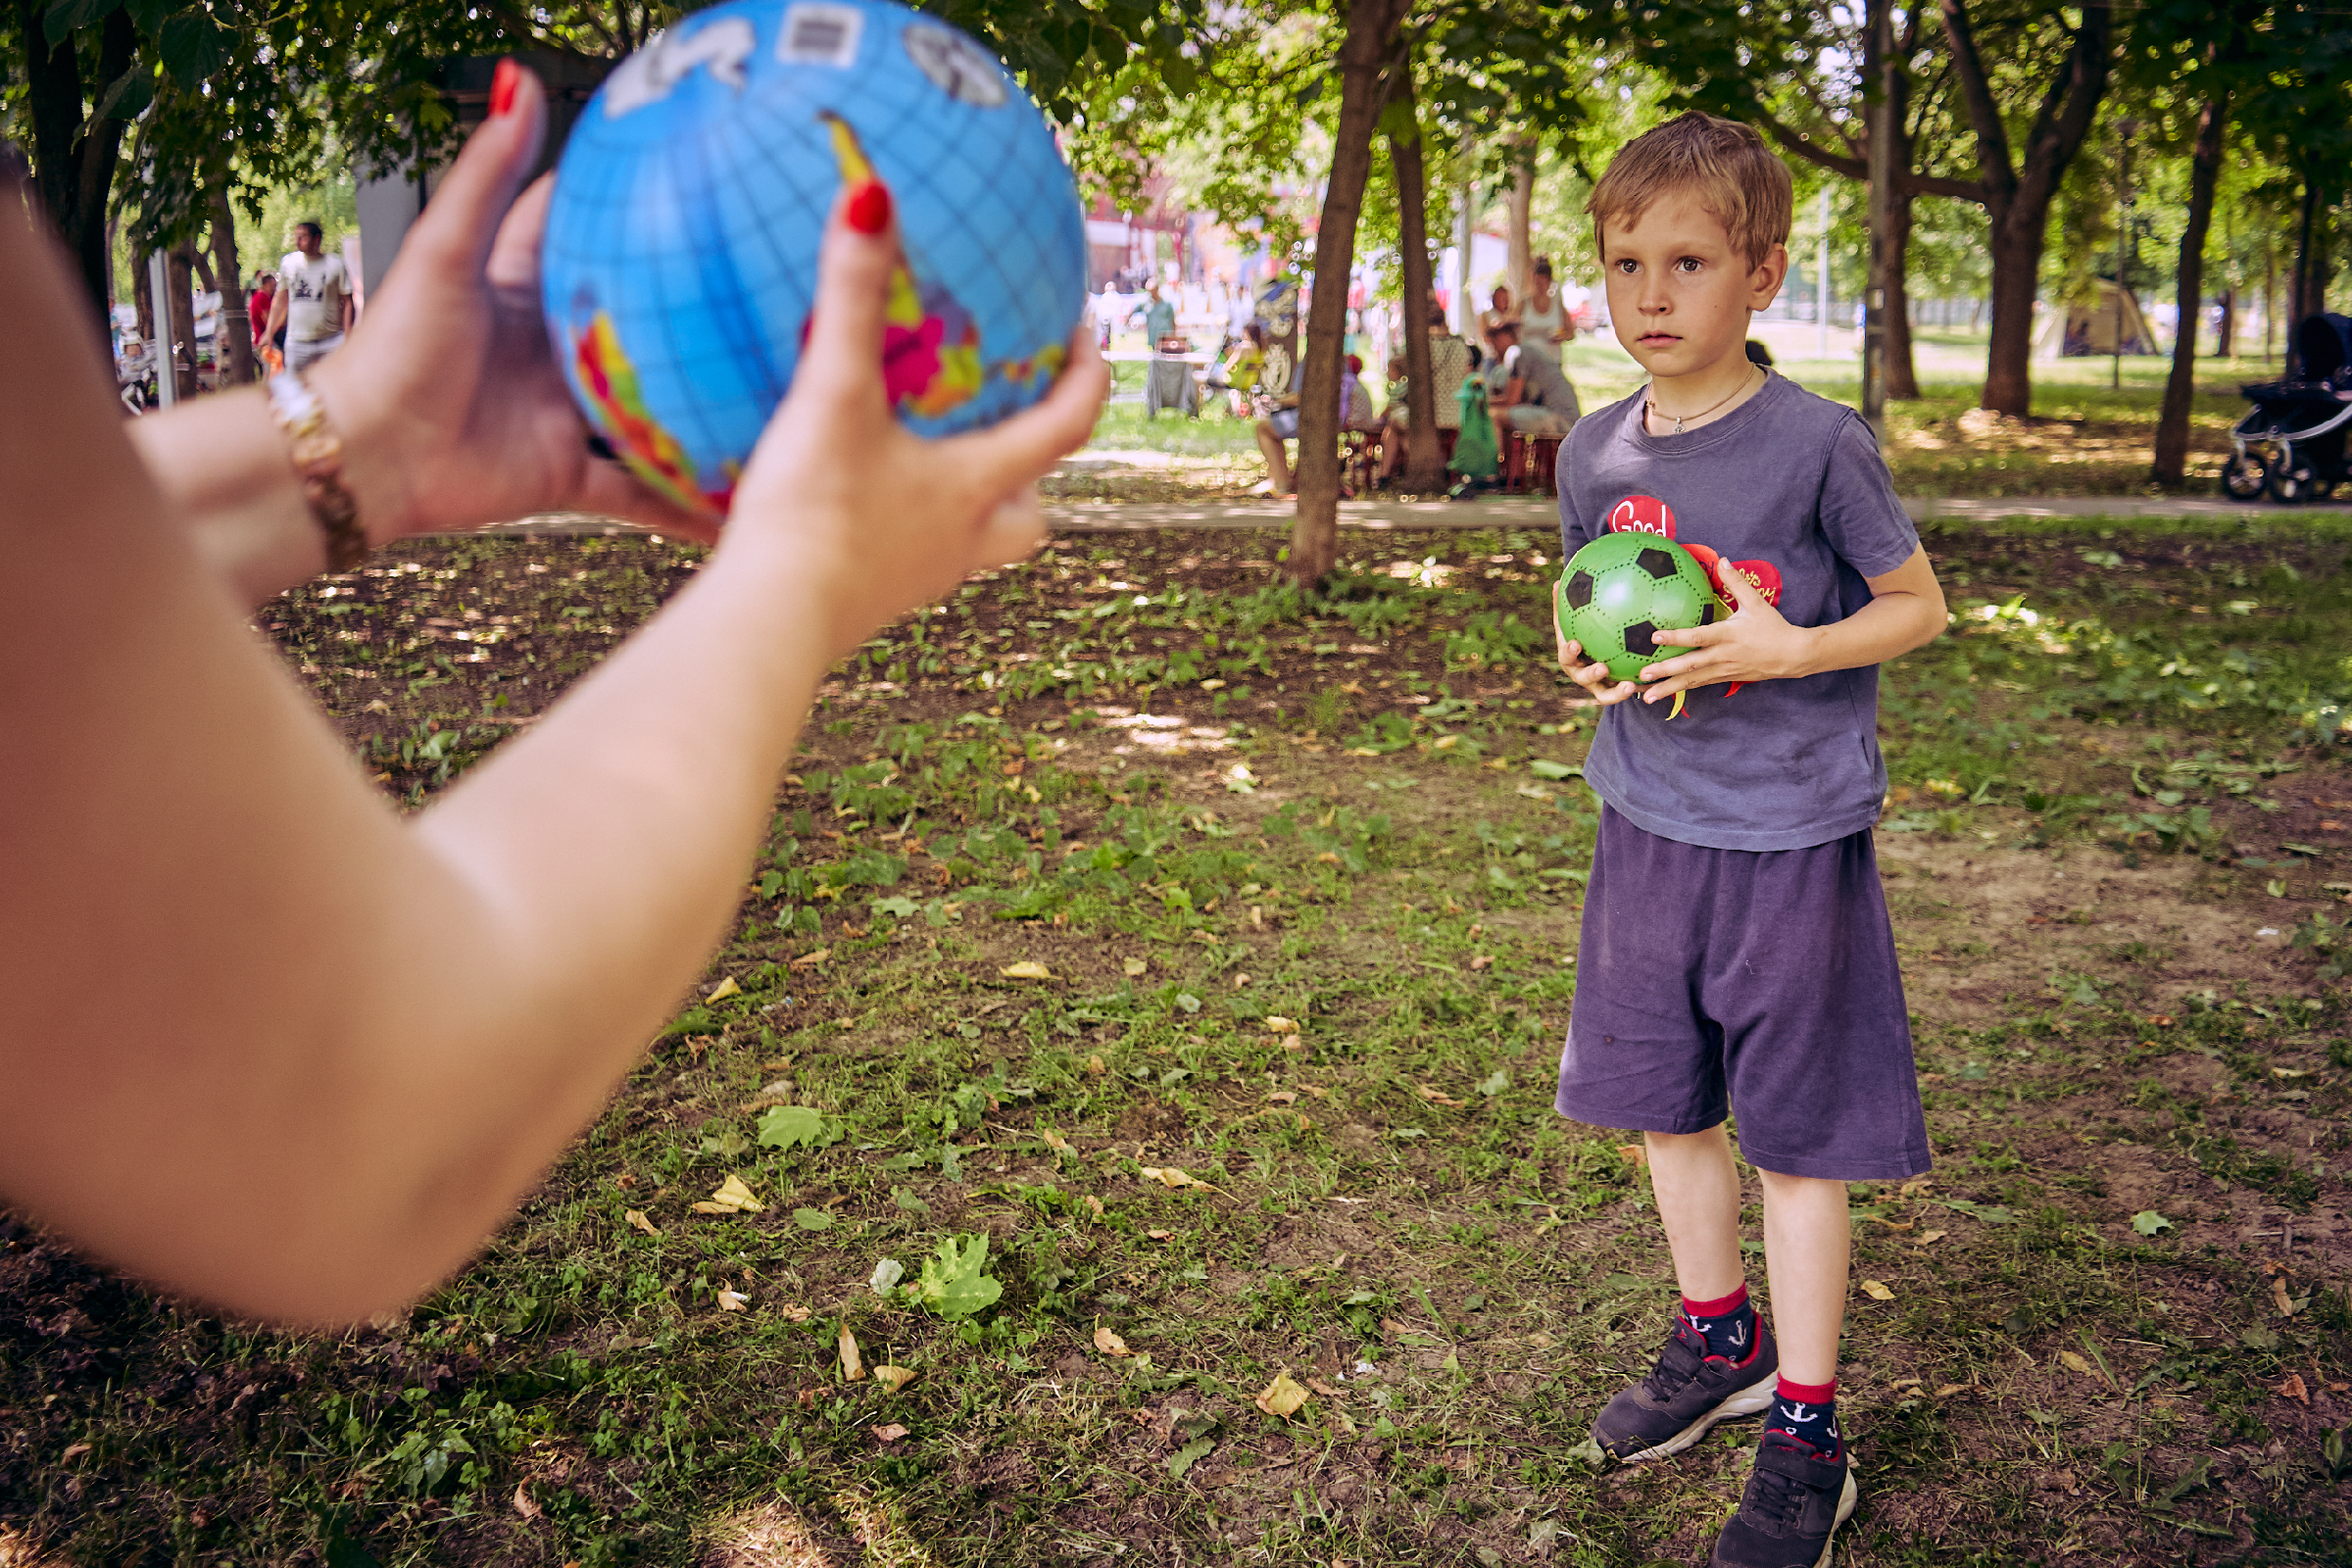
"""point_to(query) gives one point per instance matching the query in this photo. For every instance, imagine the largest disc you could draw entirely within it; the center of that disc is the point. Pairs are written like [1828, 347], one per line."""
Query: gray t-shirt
[1791, 488]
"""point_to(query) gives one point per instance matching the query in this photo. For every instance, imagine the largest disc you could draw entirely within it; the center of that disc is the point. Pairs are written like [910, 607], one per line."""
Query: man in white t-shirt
[313, 300]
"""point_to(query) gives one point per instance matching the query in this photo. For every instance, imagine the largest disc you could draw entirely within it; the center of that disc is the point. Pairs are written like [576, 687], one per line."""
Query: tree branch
[1984, 113]
[2058, 130]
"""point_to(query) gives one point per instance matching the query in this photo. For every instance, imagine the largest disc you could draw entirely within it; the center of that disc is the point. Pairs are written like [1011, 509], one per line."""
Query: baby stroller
[2291, 443]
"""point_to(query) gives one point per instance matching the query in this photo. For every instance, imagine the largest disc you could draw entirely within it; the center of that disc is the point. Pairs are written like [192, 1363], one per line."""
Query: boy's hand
[1756, 643]
[1590, 674]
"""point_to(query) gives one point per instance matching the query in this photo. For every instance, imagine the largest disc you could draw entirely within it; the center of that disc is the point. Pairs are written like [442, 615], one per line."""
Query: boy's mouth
[1658, 340]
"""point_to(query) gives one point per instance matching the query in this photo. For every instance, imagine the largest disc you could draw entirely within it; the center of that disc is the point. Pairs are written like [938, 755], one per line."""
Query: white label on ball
[649, 76]
[957, 66]
[821, 36]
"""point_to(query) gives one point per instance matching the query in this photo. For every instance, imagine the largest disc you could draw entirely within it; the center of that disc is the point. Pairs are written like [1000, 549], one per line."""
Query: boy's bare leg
[1697, 1188]
[1807, 1247]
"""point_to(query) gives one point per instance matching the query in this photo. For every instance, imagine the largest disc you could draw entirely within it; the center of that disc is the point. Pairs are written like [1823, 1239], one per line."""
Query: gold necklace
[1649, 405]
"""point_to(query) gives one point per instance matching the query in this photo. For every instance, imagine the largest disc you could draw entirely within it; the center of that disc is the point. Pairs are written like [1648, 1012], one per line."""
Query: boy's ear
[1764, 283]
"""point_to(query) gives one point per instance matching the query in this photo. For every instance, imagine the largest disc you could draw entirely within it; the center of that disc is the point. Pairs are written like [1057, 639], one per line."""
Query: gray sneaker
[1687, 1393]
[1789, 1514]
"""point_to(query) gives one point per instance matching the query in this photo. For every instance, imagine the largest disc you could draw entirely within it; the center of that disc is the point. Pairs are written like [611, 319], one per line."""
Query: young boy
[1736, 947]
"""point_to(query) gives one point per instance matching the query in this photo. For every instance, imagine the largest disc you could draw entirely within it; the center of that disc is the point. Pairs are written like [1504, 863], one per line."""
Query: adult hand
[453, 410]
[880, 518]
[1755, 643]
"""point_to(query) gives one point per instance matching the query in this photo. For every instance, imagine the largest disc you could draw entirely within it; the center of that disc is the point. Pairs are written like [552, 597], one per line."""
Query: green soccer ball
[1624, 588]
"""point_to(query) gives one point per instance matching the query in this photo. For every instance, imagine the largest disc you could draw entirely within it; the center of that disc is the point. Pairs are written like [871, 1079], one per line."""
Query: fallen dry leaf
[636, 1217]
[2073, 1361]
[1173, 1176]
[524, 1504]
[1095, 1067]
[1634, 1153]
[889, 1434]
[723, 990]
[852, 1369]
[2278, 1295]
[1323, 1387]
[1026, 969]
[732, 1197]
[1161, 1236]
[1876, 1292]
[75, 1450]
[1056, 1142]
[1283, 1396]
[1132, 966]
[893, 1378]
[1283, 1027]
[1894, 1224]
[1094, 1206]
[1926, 1237]
[1110, 1344]
[796, 1313]
[732, 1301]
[1482, 961]
[805, 959]
[2162, 1020]
[2294, 1389]
[1283, 1097]
[1436, 1099]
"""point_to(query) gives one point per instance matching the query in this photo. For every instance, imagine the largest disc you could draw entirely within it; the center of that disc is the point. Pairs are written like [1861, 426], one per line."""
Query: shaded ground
[1302, 877]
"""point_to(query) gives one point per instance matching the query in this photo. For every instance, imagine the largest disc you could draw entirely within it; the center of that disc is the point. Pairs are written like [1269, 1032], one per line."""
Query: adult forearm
[597, 877]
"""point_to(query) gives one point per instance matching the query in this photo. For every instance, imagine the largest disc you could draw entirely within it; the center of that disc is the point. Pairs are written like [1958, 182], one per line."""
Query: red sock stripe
[1720, 1307]
[1808, 1393]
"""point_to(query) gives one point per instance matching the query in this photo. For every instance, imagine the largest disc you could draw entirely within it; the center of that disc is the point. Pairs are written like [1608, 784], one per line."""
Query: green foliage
[953, 1282]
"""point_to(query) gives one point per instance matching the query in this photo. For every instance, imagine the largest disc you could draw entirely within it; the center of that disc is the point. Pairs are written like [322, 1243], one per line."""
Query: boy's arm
[1757, 643]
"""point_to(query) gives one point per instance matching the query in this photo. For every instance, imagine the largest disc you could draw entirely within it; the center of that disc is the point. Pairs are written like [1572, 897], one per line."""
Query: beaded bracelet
[315, 447]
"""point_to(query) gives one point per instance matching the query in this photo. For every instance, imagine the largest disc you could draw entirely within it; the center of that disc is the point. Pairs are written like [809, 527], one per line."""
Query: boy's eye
[1689, 264]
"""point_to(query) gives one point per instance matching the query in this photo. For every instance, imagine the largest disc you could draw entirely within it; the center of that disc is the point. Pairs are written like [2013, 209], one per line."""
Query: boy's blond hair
[1724, 163]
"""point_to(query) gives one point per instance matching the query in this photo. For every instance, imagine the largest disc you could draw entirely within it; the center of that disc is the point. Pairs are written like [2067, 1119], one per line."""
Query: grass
[2085, 439]
[1302, 877]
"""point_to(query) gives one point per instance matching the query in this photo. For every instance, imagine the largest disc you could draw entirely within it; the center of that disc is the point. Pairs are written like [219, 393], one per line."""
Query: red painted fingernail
[869, 207]
[503, 82]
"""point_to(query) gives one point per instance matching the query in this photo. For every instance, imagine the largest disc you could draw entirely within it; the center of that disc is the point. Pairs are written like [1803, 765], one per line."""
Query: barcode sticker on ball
[820, 36]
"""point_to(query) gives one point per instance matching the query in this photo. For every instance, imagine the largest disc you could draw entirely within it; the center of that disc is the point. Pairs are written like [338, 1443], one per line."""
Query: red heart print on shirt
[1642, 514]
[1763, 576]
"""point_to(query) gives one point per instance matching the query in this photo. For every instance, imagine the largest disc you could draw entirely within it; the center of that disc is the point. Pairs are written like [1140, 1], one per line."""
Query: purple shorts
[1761, 979]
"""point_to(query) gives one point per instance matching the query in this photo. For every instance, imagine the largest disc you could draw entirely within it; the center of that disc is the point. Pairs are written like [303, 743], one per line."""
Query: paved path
[1527, 511]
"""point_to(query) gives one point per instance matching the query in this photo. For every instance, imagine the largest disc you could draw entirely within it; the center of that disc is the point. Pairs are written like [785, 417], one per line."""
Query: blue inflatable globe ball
[679, 265]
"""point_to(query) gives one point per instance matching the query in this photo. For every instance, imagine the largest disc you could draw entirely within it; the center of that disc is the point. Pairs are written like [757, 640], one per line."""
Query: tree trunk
[2179, 388]
[1315, 536]
[1902, 381]
[180, 310]
[2017, 195]
[1424, 454]
[2225, 340]
[1520, 259]
[232, 338]
[142, 295]
[74, 155]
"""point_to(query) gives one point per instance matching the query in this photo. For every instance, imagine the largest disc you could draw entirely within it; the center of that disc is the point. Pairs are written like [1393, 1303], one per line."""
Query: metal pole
[1465, 311]
[167, 363]
[1879, 63]
[1820, 279]
[2123, 227]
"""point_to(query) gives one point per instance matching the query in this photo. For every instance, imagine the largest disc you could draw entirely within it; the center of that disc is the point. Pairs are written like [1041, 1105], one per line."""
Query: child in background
[1736, 947]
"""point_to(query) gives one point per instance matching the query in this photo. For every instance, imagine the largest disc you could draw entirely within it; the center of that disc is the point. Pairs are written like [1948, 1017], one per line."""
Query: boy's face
[1679, 292]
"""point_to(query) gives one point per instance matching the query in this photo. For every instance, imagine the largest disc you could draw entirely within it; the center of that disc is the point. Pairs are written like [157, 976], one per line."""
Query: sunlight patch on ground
[1162, 734]
[771, 1536]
